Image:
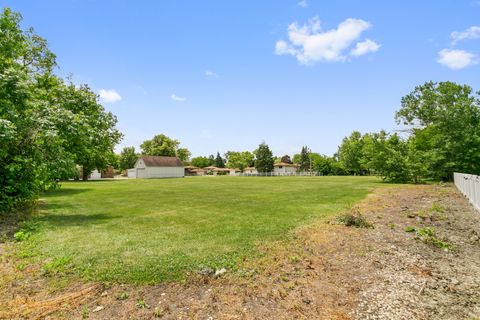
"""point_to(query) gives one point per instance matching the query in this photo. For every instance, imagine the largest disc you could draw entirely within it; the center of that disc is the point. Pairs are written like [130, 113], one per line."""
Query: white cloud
[365, 47]
[303, 3]
[174, 97]
[471, 33]
[212, 74]
[456, 59]
[109, 96]
[308, 43]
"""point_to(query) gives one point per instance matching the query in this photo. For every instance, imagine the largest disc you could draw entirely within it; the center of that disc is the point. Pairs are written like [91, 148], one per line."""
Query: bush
[354, 219]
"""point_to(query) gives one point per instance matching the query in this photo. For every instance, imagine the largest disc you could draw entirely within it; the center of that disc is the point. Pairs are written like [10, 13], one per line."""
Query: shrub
[354, 219]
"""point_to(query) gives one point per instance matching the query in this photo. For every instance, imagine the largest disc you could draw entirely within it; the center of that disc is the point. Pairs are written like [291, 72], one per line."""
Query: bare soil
[325, 271]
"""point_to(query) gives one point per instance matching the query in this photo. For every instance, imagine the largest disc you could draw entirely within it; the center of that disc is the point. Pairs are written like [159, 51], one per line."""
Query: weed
[157, 313]
[85, 312]
[57, 266]
[354, 220]
[141, 304]
[25, 231]
[294, 259]
[428, 236]
[122, 296]
[410, 229]
[437, 208]
[21, 266]
[391, 226]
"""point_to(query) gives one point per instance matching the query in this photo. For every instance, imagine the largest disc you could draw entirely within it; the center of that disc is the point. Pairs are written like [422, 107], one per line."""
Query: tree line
[440, 135]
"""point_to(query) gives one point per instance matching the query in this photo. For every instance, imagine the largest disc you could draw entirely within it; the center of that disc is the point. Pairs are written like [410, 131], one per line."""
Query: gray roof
[160, 161]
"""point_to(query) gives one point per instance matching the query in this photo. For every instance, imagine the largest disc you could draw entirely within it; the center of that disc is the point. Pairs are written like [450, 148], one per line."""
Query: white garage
[157, 167]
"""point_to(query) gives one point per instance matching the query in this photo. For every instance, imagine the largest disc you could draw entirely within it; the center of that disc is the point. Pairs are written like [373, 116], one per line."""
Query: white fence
[469, 185]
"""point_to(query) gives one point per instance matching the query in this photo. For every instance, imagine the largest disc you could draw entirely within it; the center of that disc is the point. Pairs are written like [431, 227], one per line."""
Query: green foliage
[444, 120]
[122, 296]
[305, 160]
[428, 236]
[27, 228]
[46, 126]
[160, 145]
[286, 159]
[183, 154]
[219, 161]
[264, 158]
[350, 154]
[57, 266]
[142, 304]
[128, 157]
[410, 229]
[201, 162]
[240, 160]
[327, 166]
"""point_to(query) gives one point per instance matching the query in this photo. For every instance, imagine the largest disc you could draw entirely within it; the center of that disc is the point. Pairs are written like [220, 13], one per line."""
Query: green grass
[146, 231]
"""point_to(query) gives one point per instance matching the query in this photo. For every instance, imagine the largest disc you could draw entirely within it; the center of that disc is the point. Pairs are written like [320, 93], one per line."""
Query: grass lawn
[146, 231]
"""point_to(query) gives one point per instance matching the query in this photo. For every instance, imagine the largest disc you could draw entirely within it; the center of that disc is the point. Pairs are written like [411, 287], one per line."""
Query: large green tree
[202, 162]
[160, 145]
[263, 158]
[304, 160]
[46, 126]
[350, 153]
[444, 120]
[240, 160]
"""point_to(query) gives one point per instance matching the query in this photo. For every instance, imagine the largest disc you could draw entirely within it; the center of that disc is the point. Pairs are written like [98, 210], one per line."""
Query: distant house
[148, 167]
[225, 171]
[194, 171]
[250, 170]
[283, 168]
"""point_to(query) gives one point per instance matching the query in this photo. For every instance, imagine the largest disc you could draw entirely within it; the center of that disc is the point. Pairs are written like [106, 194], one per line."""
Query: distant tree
[212, 159]
[305, 160]
[201, 162]
[219, 161]
[183, 154]
[239, 160]
[264, 158]
[350, 153]
[160, 145]
[128, 157]
[286, 159]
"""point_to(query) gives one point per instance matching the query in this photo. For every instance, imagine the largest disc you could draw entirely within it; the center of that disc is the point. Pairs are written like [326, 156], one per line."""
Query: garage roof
[160, 161]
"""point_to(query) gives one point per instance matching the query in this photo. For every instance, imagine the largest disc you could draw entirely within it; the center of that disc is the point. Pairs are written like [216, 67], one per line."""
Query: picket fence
[469, 185]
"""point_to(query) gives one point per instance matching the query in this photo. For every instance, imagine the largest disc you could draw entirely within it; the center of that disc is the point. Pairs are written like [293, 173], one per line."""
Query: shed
[157, 167]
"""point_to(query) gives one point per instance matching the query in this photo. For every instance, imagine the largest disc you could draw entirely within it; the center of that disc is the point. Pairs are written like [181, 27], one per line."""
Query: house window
[280, 167]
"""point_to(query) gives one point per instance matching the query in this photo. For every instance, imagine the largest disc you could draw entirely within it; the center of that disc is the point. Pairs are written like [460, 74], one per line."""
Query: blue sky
[226, 75]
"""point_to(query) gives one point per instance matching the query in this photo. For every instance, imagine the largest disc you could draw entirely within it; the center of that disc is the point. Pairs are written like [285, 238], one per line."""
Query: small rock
[104, 294]
[98, 308]
[220, 272]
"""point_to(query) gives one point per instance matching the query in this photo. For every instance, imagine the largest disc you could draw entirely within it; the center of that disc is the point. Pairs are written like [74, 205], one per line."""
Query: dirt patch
[326, 271]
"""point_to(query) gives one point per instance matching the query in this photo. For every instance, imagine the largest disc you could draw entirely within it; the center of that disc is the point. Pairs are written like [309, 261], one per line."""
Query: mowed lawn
[146, 231]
